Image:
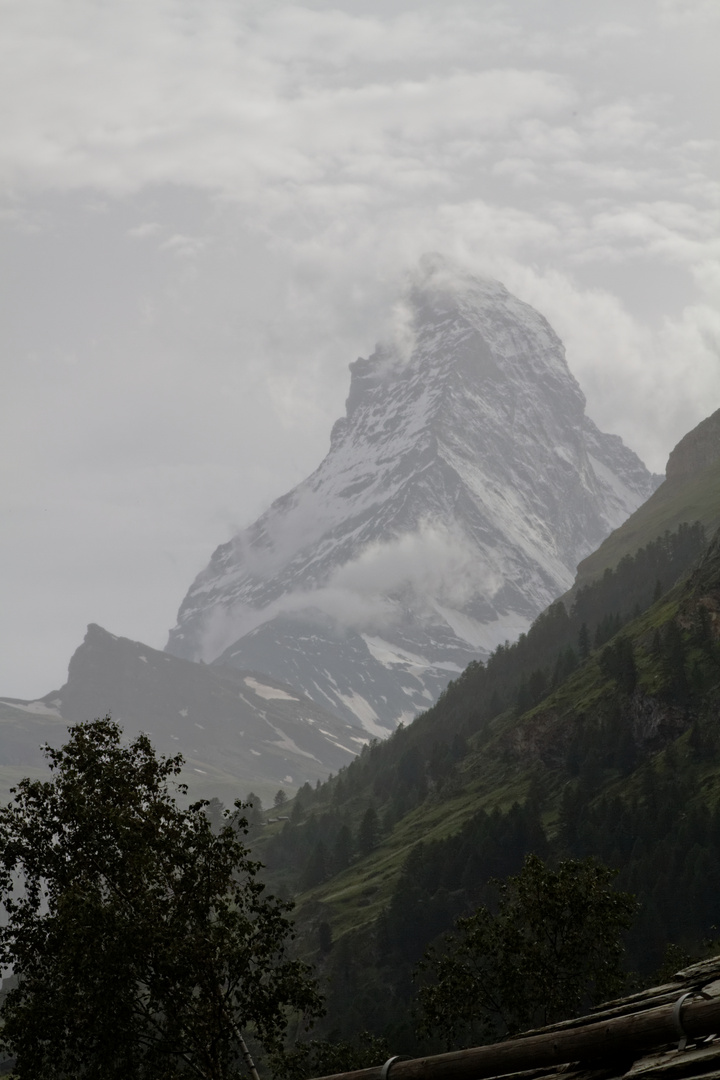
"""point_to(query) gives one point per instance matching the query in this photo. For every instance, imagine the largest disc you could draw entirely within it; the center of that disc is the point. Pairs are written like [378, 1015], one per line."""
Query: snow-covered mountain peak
[453, 328]
[462, 486]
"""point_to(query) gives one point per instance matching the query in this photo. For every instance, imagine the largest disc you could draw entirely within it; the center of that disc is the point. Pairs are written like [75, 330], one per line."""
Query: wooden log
[620, 1037]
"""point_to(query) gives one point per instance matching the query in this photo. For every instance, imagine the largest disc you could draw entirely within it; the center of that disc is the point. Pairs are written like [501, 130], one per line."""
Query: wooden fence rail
[622, 1037]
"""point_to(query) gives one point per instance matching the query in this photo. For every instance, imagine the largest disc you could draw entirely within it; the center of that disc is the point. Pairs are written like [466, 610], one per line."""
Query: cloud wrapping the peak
[370, 592]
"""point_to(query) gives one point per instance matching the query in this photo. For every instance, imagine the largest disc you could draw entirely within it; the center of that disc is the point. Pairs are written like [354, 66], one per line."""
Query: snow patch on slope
[36, 708]
[365, 714]
[270, 693]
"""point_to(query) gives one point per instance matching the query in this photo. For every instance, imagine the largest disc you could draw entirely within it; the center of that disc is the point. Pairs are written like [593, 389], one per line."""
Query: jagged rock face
[460, 490]
[696, 451]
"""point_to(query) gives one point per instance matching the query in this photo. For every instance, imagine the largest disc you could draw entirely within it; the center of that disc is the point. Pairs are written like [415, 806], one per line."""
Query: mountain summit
[460, 491]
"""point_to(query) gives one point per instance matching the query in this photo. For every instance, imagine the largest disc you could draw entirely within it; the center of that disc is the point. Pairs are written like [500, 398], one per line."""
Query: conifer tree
[342, 849]
[369, 829]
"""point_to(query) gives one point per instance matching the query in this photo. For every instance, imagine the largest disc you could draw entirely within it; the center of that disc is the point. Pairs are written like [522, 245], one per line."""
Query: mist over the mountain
[461, 489]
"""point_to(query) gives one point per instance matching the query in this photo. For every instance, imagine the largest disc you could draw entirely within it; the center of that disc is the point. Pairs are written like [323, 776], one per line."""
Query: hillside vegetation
[595, 734]
[690, 492]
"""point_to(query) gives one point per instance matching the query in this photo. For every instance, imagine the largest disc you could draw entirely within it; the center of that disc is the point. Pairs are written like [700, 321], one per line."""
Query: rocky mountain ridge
[237, 731]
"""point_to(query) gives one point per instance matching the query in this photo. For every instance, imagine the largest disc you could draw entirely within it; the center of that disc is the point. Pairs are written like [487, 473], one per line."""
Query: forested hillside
[596, 733]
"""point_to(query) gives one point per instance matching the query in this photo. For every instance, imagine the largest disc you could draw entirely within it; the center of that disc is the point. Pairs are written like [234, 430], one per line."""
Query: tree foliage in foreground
[143, 941]
[553, 949]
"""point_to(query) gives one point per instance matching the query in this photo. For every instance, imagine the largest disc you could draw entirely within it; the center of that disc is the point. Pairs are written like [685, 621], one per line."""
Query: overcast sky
[207, 209]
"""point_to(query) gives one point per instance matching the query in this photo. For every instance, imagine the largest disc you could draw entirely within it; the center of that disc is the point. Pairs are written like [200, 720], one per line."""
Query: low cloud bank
[374, 592]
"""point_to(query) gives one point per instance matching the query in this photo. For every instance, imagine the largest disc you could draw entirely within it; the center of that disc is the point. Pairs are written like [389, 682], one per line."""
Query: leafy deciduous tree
[143, 941]
[553, 948]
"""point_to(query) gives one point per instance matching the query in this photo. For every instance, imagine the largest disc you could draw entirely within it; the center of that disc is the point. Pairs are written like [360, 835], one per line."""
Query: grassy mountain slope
[501, 764]
[671, 504]
[690, 492]
[468, 750]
